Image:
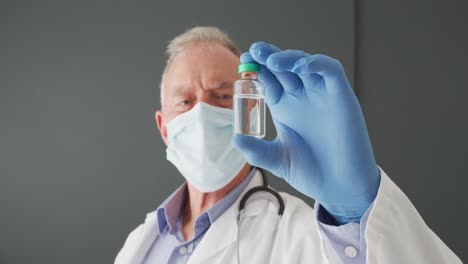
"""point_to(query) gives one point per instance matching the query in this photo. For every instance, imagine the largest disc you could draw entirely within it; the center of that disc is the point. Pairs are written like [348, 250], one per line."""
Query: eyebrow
[181, 90]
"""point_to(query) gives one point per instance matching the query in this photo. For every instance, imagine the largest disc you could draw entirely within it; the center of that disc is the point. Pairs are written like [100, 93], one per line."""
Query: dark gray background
[81, 160]
[412, 79]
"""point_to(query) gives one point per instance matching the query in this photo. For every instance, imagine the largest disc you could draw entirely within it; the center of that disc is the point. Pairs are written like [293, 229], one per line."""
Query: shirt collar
[169, 213]
[222, 205]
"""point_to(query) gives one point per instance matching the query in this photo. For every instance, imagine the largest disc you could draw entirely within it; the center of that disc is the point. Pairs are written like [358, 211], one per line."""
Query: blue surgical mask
[201, 149]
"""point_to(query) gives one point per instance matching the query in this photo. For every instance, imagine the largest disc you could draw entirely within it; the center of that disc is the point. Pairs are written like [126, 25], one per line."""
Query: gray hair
[192, 36]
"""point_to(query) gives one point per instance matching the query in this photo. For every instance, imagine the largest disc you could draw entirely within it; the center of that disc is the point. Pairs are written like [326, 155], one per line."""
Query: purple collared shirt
[170, 246]
[347, 240]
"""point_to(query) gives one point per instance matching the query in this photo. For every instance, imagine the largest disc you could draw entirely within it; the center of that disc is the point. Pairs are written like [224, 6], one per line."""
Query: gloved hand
[322, 146]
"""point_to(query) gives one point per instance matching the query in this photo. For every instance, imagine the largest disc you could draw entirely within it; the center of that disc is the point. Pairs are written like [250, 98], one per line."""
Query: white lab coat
[395, 233]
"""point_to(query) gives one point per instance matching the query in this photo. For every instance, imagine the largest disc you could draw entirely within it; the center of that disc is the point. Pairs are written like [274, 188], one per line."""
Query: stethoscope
[263, 188]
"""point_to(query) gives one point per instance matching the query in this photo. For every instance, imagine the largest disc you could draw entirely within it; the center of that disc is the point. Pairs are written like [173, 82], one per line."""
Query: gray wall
[412, 81]
[81, 160]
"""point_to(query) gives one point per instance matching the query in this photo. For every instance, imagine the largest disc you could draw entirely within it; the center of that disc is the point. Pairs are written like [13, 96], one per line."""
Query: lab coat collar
[217, 238]
[223, 232]
[169, 213]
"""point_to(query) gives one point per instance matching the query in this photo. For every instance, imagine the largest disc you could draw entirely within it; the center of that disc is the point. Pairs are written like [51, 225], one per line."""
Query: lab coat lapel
[223, 232]
[142, 241]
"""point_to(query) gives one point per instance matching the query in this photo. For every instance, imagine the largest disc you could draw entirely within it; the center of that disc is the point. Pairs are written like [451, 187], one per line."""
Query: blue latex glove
[322, 146]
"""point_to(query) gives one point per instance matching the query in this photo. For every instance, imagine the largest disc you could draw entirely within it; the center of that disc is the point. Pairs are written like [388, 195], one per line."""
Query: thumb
[259, 153]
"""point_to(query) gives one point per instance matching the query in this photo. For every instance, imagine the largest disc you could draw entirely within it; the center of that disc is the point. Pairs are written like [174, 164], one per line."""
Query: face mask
[201, 149]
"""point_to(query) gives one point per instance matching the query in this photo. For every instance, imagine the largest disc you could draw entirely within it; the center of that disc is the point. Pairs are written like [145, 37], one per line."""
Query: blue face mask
[201, 149]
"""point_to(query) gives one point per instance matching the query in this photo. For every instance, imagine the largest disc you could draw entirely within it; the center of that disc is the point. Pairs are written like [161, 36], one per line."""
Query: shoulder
[150, 223]
[137, 238]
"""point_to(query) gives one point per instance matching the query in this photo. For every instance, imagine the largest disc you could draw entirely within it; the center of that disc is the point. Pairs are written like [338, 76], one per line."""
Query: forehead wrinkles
[181, 81]
[191, 58]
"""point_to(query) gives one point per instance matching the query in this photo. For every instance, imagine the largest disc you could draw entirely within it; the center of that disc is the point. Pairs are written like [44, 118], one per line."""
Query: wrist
[353, 209]
[341, 215]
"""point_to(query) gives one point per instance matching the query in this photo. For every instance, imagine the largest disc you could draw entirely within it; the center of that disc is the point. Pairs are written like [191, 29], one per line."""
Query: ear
[158, 116]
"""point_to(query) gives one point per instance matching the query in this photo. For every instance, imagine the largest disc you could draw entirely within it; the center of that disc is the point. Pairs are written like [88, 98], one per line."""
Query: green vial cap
[248, 67]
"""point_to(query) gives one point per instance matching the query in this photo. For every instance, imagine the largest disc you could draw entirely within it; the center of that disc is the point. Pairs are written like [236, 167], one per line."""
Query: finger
[273, 89]
[259, 153]
[261, 52]
[246, 58]
[285, 61]
[330, 69]
[290, 82]
[318, 63]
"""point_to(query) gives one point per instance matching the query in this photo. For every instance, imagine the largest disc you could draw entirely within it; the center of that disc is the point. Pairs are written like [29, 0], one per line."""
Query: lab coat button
[182, 250]
[350, 251]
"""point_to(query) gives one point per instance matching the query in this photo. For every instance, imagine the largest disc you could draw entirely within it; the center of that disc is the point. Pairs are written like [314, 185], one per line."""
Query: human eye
[183, 103]
[225, 96]
[224, 100]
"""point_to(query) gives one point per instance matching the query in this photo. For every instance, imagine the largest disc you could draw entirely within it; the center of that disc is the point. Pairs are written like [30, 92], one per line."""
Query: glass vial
[249, 102]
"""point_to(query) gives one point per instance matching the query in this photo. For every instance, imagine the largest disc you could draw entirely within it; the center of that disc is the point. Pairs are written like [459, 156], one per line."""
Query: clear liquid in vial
[249, 115]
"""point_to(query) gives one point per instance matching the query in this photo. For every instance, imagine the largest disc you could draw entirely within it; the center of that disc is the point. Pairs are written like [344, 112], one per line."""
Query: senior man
[322, 149]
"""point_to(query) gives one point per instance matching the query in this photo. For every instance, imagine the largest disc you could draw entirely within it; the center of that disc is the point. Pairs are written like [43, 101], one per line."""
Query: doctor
[322, 149]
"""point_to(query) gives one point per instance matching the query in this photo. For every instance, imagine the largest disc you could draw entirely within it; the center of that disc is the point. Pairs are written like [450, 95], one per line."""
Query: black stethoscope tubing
[263, 188]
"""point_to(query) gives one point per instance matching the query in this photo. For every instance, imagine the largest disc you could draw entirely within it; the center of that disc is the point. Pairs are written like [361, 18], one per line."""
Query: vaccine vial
[249, 102]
